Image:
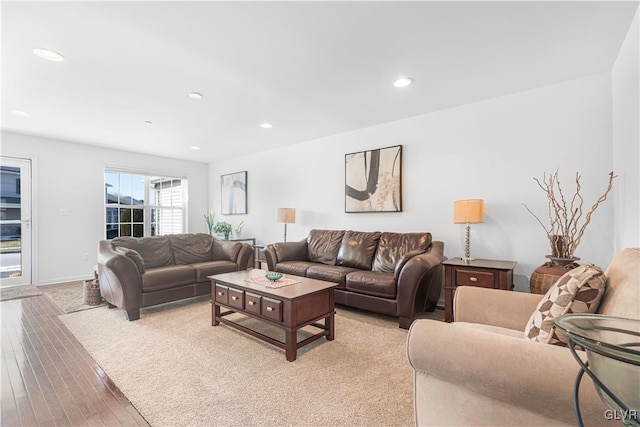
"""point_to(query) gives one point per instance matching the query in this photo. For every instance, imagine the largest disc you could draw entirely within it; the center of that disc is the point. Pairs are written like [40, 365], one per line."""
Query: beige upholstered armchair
[480, 369]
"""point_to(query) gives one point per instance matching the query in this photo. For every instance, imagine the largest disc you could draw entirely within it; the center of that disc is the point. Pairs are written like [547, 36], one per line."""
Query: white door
[15, 221]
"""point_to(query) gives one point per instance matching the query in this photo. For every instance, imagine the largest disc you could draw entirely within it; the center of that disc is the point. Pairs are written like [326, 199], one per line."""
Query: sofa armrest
[415, 280]
[507, 309]
[530, 375]
[285, 251]
[245, 256]
[119, 277]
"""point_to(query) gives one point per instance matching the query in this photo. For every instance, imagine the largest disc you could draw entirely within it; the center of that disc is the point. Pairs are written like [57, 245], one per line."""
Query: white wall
[69, 175]
[626, 139]
[490, 150]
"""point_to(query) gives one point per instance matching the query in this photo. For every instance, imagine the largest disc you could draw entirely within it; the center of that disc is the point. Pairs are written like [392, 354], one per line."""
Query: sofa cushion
[323, 245]
[330, 273]
[209, 268]
[225, 251]
[190, 248]
[291, 251]
[358, 249]
[135, 257]
[393, 246]
[160, 278]
[155, 251]
[374, 283]
[577, 291]
[297, 268]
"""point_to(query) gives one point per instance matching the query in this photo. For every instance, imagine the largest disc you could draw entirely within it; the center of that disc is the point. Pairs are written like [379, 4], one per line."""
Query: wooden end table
[289, 308]
[483, 273]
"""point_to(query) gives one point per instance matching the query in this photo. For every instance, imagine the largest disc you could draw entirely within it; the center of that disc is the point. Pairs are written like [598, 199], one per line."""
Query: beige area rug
[15, 292]
[70, 298]
[177, 369]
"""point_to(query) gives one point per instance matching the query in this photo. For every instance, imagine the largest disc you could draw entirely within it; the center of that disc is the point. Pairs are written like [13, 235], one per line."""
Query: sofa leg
[110, 306]
[133, 314]
[405, 322]
[431, 307]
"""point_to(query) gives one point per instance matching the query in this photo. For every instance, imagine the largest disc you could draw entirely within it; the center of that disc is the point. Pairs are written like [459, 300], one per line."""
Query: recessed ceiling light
[148, 122]
[20, 113]
[48, 54]
[195, 95]
[194, 147]
[403, 82]
[266, 125]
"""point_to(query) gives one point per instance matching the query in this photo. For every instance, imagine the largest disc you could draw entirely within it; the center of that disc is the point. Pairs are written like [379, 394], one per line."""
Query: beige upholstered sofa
[480, 370]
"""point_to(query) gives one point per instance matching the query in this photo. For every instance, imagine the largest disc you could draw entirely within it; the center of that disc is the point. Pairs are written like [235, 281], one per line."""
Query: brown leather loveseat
[396, 274]
[141, 272]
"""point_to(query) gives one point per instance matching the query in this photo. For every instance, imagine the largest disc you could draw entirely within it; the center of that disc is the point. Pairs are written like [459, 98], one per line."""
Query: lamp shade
[287, 215]
[468, 211]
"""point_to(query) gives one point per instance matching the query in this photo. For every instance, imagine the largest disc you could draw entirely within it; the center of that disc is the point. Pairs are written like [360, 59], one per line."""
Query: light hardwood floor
[48, 378]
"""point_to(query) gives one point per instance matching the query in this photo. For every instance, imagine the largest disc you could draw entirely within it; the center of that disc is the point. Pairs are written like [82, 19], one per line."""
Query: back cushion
[393, 246]
[623, 293]
[155, 251]
[323, 245]
[358, 249]
[191, 248]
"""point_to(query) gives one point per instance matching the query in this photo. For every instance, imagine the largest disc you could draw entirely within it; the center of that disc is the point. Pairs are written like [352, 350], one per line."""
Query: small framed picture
[234, 193]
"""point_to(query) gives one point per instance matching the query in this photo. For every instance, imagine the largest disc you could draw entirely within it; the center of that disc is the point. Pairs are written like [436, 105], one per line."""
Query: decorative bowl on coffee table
[273, 277]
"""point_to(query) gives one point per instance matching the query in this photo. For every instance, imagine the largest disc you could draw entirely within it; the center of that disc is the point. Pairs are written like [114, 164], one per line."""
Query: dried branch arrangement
[564, 231]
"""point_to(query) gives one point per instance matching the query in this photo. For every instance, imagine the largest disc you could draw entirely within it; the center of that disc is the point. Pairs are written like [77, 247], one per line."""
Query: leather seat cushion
[204, 269]
[358, 249]
[393, 246]
[373, 283]
[297, 268]
[191, 248]
[157, 279]
[330, 273]
[323, 245]
[155, 251]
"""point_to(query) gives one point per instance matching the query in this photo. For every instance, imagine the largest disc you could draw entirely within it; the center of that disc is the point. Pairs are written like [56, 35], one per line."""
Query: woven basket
[91, 292]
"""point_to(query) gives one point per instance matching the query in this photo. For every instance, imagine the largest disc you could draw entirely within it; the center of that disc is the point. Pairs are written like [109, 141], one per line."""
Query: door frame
[26, 219]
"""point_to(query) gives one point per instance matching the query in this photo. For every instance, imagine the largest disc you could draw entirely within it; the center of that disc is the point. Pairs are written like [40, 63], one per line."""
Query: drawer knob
[473, 279]
[235, 298]
[220, 293]
[252, 303]
[269, 308]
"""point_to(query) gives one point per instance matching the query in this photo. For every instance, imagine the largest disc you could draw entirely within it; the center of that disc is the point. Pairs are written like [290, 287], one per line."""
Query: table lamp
[287, 216]
[468, 212]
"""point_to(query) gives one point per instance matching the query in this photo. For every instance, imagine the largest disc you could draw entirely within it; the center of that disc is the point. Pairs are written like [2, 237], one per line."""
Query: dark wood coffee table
[289, 308]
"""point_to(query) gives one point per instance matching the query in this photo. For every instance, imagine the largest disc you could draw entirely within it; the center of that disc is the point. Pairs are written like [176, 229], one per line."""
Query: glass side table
[612, 346]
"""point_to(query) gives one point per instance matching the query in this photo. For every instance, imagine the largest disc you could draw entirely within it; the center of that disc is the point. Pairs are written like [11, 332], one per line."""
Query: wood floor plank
[48, 378]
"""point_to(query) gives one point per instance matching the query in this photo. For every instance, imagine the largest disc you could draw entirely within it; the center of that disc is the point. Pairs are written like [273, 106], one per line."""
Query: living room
[576, 114]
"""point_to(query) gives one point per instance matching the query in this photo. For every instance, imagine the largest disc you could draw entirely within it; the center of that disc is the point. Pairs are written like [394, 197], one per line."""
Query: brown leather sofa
[141, 272]
[396, 274]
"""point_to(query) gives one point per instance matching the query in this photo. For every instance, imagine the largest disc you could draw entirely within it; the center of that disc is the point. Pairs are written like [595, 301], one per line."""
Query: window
[142, 205]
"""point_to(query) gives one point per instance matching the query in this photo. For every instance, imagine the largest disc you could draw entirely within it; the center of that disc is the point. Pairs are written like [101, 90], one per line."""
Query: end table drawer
[222, 294]
[252, 303]
[272, 309]
[481, 279]
[236, 298]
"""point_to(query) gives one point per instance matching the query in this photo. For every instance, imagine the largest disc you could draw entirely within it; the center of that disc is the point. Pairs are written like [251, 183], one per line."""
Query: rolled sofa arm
[533, 376]
[419, 281]
[285, 251]
[245, 256]
[120, 279]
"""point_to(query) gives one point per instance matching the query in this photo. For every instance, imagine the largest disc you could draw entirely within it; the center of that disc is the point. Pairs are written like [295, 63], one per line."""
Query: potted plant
[223, 227]
[210, 217]
[565, 230]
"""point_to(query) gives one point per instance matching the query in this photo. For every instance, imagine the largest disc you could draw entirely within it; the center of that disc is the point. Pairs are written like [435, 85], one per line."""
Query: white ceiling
[313, 69]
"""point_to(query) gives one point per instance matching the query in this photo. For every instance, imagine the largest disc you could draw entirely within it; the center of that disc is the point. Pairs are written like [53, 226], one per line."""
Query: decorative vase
[546, 275]
[226, 236]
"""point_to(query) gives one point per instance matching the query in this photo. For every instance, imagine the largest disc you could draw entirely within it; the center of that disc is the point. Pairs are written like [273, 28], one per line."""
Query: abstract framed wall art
[234, 193]
[373, 180]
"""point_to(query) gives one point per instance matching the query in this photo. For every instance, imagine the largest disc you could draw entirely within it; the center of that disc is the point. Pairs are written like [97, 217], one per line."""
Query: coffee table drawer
[272, 309]
[236, 298]
[252, 303]
[222, 294]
